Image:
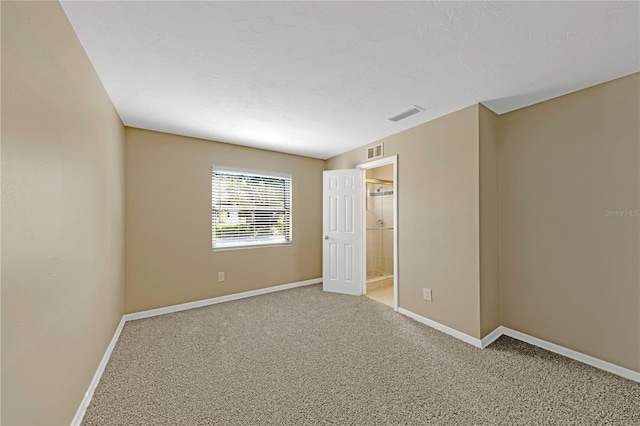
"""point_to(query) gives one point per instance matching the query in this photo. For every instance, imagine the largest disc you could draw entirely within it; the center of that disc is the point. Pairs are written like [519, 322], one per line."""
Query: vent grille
[375, 151]
[416, 109]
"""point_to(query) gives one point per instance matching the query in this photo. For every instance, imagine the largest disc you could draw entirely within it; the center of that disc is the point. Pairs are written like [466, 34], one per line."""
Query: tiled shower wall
[380, 238]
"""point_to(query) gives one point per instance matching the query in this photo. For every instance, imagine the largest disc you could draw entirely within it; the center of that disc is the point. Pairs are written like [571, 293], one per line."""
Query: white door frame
[393, 159]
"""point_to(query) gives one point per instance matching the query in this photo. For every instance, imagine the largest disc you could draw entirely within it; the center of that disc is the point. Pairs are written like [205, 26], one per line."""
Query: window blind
[249, 208]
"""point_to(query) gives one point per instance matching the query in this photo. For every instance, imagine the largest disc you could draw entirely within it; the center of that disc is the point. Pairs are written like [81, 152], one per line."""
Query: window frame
[255, 244]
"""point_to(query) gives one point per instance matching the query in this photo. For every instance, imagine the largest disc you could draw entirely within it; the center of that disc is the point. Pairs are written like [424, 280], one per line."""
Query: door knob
[326, 237]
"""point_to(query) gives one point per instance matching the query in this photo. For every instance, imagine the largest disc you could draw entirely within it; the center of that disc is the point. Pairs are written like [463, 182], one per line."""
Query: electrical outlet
[426, 294]
[220, 277]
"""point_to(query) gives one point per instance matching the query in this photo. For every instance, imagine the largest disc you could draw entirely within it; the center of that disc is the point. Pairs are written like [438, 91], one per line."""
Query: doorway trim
[392, 159]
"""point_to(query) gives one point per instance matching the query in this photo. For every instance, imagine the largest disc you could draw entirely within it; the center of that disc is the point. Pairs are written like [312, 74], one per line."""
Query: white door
[342, 270]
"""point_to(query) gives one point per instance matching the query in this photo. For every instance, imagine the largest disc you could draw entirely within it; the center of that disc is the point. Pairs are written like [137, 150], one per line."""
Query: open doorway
[380, 231]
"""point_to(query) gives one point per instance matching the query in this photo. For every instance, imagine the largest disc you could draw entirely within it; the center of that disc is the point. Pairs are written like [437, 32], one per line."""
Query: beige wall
[569, 272]
[382, 172]
[62, 216]
[489, 131]
[549, 260]
[438, 215]
[168, 239]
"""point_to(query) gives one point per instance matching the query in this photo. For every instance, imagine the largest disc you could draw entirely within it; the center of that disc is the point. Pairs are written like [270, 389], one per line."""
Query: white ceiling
[320, 78]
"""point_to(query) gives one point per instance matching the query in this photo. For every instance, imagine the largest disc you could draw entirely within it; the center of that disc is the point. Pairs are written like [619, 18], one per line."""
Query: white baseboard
[441, 327]
[492, 337]
[570, 353]
[216, 300]
[77, 419]
[552, 347]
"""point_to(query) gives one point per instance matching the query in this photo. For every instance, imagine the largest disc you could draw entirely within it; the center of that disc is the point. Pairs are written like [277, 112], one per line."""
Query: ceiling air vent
[374, 151]
[416, 109]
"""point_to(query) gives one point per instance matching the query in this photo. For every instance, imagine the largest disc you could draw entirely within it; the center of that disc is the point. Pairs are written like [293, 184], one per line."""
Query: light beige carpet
[304, 357]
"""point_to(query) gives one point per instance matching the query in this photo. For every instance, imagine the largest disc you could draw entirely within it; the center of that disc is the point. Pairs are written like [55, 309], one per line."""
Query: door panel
[342, 228]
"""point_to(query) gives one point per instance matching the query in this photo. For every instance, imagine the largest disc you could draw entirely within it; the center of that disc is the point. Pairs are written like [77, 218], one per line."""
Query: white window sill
[249, 246]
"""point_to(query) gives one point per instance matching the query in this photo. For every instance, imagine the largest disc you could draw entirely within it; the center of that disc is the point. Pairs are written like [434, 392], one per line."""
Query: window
[249, 208]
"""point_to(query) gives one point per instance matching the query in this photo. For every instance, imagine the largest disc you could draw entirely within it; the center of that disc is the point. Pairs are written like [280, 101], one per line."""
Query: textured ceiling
[320, 78]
